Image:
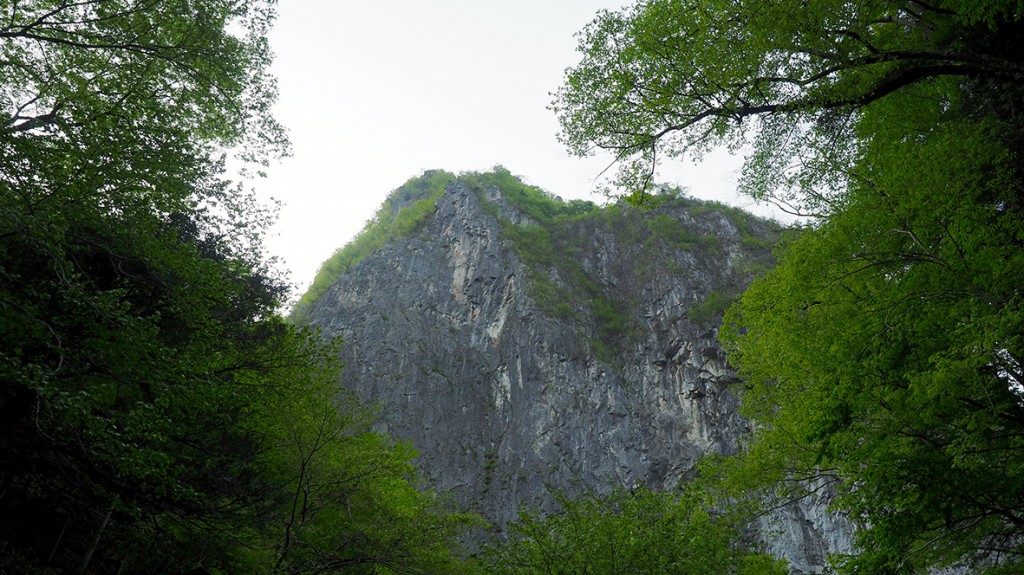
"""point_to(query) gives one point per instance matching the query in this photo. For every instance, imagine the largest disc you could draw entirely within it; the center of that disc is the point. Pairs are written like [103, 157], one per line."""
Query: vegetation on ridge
[401, 214]
[550, 241]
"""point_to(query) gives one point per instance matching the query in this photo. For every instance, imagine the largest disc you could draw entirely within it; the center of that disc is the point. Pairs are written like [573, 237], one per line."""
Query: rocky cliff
[523, 344]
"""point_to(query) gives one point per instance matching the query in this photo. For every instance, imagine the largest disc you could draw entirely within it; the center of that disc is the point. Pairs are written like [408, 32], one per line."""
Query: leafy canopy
[156, 414]
[883, 354]
[670, 77]
[887, 344]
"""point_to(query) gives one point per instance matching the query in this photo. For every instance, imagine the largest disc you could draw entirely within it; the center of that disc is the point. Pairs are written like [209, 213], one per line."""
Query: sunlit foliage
[635, 531]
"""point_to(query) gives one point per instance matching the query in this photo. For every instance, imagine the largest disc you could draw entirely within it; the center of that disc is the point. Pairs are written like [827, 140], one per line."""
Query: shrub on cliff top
[401, 214]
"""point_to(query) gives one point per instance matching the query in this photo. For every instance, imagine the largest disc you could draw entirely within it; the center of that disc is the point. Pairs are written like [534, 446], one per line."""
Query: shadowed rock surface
[573, 350]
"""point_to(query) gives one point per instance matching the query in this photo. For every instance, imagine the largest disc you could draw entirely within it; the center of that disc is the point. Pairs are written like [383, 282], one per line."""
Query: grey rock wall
[504, 401]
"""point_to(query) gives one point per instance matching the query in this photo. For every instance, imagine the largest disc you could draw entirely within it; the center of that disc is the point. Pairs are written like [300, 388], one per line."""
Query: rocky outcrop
[514, 371]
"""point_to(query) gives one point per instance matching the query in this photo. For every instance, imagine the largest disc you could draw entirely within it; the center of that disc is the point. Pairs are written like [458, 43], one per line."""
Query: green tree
[628, 532]
[887, 344]
[346, 499]
[883, 354]
[127, 320]
[670, 77]
[141, 353]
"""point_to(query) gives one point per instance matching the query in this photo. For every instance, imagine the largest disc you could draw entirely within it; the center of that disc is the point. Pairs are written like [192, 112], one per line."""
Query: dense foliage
[156, 415]
[883, 355]
[632, 532]
[670, 77]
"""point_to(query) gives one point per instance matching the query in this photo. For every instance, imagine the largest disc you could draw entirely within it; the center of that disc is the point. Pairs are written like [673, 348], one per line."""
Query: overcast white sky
[373, 92]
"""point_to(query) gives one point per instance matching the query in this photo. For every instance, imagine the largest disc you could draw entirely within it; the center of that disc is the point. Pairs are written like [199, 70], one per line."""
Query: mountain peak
[524, 343]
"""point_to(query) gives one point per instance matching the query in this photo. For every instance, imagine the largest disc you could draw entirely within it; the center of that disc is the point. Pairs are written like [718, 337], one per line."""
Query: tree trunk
[96, 538]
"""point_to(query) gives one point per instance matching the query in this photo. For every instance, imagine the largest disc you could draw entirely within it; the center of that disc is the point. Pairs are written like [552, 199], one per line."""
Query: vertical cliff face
[577, 352]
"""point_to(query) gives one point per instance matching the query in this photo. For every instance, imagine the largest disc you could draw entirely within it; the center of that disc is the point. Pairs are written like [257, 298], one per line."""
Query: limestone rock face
[511, 379]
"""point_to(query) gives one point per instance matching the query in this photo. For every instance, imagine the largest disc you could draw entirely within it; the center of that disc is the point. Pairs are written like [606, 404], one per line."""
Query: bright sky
[373, 92]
